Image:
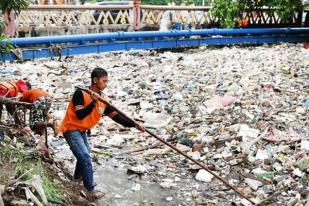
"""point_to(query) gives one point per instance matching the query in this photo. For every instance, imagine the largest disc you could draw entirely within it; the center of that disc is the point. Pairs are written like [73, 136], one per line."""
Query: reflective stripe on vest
[8, 89]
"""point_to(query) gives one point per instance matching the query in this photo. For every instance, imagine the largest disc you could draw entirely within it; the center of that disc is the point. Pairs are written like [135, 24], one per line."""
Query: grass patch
[6, 152]
[26, 166]
[27, 172]
[4, 177]
[53, 190]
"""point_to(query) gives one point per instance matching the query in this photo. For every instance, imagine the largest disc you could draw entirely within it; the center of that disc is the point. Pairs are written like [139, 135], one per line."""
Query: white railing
[40, 20]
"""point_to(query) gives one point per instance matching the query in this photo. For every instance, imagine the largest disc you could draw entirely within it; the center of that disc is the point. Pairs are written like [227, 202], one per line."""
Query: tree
[226, 11]
[13, 5]
[7, 6]
[229, 11]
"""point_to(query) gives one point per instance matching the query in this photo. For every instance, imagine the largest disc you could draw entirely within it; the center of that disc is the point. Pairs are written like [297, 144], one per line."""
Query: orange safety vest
[72, 123]
[13, 88]
[8, 89]
[32, 95]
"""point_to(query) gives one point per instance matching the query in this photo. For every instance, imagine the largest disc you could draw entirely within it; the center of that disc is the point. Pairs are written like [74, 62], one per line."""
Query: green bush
[7, 6]
[5, 45]
[226, 11]
[15, 5]
[230, 11]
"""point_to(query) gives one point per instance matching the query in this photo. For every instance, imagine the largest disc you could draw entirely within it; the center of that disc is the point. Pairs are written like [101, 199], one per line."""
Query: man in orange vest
[39, 117]
[11, 90]
[83, 113]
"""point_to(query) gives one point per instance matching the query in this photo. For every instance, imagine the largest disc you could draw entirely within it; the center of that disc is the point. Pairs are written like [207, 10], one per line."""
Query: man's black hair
[98, 73]
[28, 85]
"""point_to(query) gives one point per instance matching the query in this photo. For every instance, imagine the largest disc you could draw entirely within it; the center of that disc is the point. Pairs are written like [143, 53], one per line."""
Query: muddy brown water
[117, 185]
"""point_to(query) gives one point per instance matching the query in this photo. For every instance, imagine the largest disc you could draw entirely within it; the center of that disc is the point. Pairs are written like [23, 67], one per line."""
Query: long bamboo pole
[4, 100]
